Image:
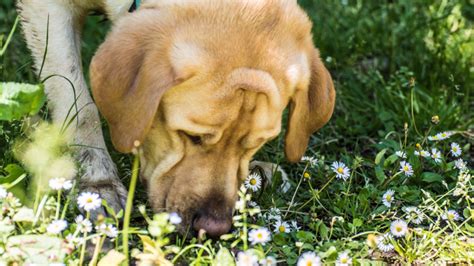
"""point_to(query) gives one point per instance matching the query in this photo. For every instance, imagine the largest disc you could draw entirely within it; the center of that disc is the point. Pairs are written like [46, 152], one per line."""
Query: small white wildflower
[240, 205]
[246, 259]
[56, 227]
[60, 183]
[24, 214]
[259, 236]
[108, 229]
[341, 170]
[83, 225]
[433, 138]
[268, 261]
[460, 164]
[281, 227]
[253, 204]
[175, 218]
[309, 259]
[309, 159]
[401, 154]
[343, 259]
[414, 215]
[398, 228]
[388, 198]
[423, 153]
[295, 226]
[455, 149]
[436, 155]
[253, 182]
[3, 192]
[451, 215]
[274, 214]
[406, 168]
[89, 201]
[384, 243]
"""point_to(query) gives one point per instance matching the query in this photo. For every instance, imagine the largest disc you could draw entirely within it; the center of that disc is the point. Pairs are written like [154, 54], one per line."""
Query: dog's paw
[267, 170]
[99, 175]
[113, 192]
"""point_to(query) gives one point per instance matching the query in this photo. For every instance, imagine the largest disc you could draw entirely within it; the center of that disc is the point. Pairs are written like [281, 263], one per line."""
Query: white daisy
[406, 168]
[401, 154]
[399, 228]
[89, 201]
[268, 261]
[388, 198]
[281, 227]
[311, 160]
[341, 170]
[295, 226]
[3, 192]
[56, 227]
[246, 259]
[444, 135]
[384, 243]
[259, 236]
[422, 153]
[309, 259]
[60, 183]
[436, 155]
[343, 259]
[460, 164]
[414, 215]
[455, 149]
[175, 218]
[83, 225]
[108, 229]
[433, 138]
[451, 215]
[253, 182]
[274, 214]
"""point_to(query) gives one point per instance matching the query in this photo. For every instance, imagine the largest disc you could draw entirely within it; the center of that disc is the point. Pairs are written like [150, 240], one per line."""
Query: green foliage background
[393, 62]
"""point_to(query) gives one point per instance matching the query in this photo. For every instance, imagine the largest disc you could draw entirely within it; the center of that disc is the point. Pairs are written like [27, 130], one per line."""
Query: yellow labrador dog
[202, 85]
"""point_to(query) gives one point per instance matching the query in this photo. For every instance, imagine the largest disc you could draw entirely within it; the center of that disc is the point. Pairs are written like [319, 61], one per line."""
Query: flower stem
[58, 206]
[84, 243]
[128, 207]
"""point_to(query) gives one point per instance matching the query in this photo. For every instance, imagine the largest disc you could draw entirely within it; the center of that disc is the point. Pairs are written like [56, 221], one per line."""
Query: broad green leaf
[224, 258]
[379, 173]
[390, 160]
[379, 156]
[19, 99]
[431, 177]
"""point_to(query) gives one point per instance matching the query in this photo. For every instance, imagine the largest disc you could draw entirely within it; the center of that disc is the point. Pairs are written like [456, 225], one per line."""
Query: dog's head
[202, 86]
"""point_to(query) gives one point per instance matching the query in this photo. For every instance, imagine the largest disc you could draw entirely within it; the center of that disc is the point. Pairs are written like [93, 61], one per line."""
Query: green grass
[395, 64]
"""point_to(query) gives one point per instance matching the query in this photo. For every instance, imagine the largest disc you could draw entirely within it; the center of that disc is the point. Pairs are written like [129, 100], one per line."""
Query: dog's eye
[196, 140]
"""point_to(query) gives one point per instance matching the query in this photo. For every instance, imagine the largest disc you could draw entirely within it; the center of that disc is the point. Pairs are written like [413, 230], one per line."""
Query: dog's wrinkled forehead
[248, 96]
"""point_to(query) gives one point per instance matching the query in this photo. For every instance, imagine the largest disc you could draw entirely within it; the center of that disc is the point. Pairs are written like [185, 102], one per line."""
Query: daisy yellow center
[455, 149]
[309, 263]
[398, 228]
[450, 216]
[406, 168]
[443, 135]
[344, 260]
[340, 170]
[389, 197]
[89, 200]
[260, 235]
[306, 175]
[253, 181]
[282, 228]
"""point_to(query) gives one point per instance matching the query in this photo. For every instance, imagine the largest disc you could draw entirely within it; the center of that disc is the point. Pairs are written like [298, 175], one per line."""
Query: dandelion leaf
[19, 99]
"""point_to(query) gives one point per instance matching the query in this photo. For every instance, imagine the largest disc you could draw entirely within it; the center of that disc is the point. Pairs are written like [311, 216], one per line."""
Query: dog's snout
[212, 225]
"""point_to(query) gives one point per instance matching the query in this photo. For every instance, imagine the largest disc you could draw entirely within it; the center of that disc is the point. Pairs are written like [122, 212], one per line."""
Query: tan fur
[223, 71]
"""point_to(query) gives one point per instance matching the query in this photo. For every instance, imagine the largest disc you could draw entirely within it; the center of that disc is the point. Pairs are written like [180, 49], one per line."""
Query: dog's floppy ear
[129, 76]
[310, 109]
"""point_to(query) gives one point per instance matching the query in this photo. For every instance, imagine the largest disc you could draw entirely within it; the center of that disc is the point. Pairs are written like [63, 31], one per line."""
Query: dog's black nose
[214, 227]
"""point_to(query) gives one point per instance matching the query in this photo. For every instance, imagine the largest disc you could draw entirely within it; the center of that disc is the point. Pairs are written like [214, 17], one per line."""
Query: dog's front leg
[62, 21]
